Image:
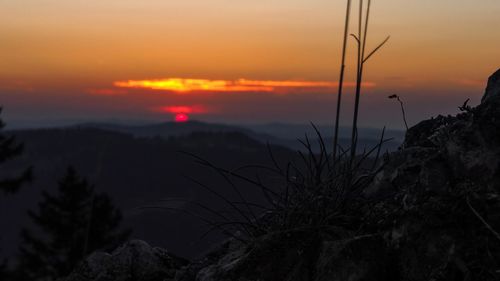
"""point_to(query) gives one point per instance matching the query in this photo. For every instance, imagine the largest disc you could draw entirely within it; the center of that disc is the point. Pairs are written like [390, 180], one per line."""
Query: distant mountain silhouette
[275, 133]
[136, 172]
[294, 131]
[166, 129]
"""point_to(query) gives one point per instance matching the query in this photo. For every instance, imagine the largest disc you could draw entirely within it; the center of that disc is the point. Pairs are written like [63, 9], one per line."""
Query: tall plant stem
[403, 111]
[361, 40]
[341, 80]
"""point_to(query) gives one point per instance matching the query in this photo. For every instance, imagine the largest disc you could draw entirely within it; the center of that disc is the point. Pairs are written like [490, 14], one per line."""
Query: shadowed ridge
[493, 88]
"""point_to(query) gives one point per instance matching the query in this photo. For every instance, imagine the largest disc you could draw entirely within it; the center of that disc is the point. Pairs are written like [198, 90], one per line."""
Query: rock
[493, 88]
[298, 255]
[283, 256]
[441, 191]
[362, 258]
[134, 261]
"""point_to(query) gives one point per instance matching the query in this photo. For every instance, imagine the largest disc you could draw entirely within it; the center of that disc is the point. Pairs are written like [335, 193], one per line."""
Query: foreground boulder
[134, 261]
[298, 255]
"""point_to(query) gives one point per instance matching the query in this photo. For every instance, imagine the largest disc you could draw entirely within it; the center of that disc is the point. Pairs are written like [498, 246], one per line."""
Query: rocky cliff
[436, 217]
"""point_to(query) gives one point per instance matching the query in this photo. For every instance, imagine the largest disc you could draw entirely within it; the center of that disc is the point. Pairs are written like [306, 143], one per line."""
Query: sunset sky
[237, 61]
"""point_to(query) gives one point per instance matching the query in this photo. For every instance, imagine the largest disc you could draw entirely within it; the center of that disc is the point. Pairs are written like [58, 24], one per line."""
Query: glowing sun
[181, 117]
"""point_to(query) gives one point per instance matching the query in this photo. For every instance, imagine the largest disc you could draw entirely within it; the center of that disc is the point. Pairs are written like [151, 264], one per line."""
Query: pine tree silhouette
[10, 149]
[74, 223]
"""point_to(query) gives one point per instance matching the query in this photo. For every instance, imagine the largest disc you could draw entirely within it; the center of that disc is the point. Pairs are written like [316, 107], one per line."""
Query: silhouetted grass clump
[315, 191]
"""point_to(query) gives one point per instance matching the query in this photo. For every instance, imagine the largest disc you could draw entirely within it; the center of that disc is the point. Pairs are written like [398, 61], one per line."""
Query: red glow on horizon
[181, 112]
[186, 109]
[181, 118]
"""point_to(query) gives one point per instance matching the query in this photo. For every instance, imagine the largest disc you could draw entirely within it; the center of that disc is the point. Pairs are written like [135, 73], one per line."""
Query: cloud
[182, 85]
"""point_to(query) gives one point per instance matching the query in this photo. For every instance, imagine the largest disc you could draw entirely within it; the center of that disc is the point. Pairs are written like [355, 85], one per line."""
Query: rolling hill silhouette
[142, 166]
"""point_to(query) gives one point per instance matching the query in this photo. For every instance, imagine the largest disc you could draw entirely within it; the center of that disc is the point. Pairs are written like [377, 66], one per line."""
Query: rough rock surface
[493, 88]
[134, 261]
[445, 195]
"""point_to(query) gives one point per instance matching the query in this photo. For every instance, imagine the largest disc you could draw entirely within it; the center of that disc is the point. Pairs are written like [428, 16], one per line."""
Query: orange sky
[54, 54]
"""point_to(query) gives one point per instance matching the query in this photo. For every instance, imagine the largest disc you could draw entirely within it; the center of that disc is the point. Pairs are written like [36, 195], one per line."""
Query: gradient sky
[61, 60]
